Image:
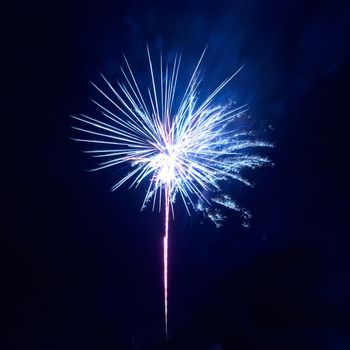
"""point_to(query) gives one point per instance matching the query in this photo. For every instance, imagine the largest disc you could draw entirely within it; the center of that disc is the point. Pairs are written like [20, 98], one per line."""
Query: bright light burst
[185, 151]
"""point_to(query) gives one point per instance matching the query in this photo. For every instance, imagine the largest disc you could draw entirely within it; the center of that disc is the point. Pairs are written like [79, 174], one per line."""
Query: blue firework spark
[186, 151]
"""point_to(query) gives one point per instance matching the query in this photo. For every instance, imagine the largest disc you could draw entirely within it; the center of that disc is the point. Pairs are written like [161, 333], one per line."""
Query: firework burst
[185, 151]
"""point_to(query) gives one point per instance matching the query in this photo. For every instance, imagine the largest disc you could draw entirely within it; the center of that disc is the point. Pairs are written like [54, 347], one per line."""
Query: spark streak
[182, 143]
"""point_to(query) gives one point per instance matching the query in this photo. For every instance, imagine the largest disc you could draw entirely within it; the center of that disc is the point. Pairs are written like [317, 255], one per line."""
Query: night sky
[82, 267]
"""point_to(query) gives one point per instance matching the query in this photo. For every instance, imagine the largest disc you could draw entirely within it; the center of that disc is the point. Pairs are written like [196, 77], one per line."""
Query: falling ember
[186, 145]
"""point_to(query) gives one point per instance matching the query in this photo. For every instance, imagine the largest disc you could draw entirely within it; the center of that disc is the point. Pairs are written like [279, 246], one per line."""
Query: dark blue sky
[83, 268]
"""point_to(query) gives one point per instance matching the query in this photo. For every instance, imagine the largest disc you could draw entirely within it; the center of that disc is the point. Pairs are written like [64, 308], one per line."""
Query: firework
[180, 144]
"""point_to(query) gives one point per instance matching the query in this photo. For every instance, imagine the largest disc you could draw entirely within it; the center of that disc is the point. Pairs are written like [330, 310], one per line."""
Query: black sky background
[82, 268]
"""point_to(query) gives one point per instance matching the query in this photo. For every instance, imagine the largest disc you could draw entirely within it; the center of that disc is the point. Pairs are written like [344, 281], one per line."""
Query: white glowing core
[167, 165]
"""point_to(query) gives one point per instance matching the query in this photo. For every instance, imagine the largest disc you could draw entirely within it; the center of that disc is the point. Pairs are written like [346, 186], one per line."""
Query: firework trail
[185, 151]
[165, 257]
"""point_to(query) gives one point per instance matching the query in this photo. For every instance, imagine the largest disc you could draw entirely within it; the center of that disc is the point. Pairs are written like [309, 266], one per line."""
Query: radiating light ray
[179, 142]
